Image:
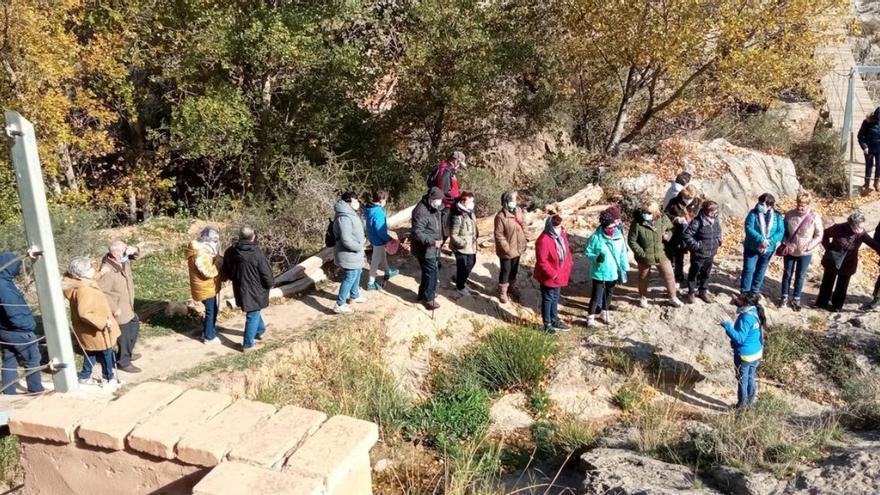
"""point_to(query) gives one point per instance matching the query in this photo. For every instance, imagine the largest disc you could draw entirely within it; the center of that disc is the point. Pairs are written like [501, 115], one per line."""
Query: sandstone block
[158, 435]
[235, 478]
[109, 429]
[273, 440]
[54, 417]
[207, 443]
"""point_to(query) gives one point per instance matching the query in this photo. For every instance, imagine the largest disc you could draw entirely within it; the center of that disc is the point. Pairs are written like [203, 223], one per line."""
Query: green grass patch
[236, 361]
[9, 460]
[565, 438]
[456, 412]
[511, 358]
[161, 276]
[160, 324]
[785, 346]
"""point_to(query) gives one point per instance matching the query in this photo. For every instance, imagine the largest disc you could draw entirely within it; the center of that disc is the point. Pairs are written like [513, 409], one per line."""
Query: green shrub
[9, 464]
[512, 358]
[628, 397]
[820, 164]
[760, 131]
[540, 402]
[783, 347]
[487, 189]
[565, 175]
[566, 437]
[456, 412]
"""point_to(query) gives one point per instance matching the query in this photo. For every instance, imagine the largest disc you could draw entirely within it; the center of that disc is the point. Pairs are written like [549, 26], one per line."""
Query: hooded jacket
[89, 313]
[204, 266]
[703, 237]
[549, 270]
[510, 235]
[117, 282]
[248, 269]
[615, 264]
[377, 225]
[646, 239]
[754, 235]
[16, 317]
[427, 228]
[464, 232]
[348, 252]
[678, 208]
[869, 133]
[746, 335]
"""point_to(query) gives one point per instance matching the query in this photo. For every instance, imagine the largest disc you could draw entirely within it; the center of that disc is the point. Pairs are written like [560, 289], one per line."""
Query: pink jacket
[808, 237]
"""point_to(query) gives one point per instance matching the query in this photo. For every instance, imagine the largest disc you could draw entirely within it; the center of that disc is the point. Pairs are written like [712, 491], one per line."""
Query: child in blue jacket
[747, 339]
[377, 233]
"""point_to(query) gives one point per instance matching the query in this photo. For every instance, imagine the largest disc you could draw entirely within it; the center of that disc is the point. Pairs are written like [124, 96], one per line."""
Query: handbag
[838, 257]
[784, 248]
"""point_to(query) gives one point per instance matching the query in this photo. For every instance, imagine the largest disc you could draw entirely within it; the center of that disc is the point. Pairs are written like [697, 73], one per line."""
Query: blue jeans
[754, 267]
[106, 358]
[253, 328]
[210, 318]
[29, 354]
[747, 389]
[797, 265]
[550, 305]
[428, 282]
[350, 286]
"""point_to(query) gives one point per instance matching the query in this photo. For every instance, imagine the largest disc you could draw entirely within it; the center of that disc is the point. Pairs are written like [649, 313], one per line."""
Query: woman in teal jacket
[747, 340]
[607, 252]
[764, 230]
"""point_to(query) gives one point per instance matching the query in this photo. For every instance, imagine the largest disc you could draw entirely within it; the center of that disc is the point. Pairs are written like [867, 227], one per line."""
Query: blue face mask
[647, 216]
[124, 259]
[762, 209]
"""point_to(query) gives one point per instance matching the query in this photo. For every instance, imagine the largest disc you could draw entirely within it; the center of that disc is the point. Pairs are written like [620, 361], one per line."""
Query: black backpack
[329, 235]
[434, 177]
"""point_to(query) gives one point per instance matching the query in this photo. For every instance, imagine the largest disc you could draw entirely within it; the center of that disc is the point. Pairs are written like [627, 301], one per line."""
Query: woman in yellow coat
[204, 261]
[92, 319]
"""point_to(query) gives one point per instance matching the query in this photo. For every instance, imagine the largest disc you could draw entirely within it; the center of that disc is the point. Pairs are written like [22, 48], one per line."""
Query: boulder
[514, 159]
[799, 118]
[733, 481]
[623, 472]
[849, 470]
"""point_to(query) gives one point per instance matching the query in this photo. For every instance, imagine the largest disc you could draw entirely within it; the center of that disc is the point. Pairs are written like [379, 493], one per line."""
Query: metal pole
[848, 111]
[852, 161]
[38, 227]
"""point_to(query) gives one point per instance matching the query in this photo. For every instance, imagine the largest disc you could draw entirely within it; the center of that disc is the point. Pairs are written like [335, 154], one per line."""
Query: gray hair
[209, 234]
[79, 266]
[856, 218]
[117, 246]
[458, 156]
[246, 233]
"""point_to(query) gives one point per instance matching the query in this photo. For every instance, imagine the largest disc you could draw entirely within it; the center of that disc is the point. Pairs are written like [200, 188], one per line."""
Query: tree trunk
[132, 203]
[261, 179]
[436, 133]
[67, 167]
[622, 113]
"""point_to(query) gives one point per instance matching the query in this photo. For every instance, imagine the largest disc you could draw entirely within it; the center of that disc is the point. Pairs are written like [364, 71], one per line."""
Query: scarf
[762, 220]
[557, 238]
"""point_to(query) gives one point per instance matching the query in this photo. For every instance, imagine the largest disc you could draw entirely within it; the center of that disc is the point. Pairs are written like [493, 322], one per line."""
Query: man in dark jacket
[427, 238]
[702, 238]
[17, 325]
[869, 140]
[681, 210]
[251, 276]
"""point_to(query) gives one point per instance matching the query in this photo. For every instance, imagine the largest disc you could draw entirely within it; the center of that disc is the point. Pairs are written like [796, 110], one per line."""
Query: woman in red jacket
[552, 270]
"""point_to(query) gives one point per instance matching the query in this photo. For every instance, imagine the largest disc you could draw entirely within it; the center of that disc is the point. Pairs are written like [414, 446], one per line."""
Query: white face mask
[469, 206]
[436, 204]
[89, 275]
[687, 201]
[355, 205]
[511, 205]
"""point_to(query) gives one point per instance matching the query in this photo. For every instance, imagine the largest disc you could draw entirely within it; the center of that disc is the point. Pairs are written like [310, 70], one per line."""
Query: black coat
[677, 208]
[250, 273]
[427, 228]
[842, 238]
[869, 132]
[703, 237]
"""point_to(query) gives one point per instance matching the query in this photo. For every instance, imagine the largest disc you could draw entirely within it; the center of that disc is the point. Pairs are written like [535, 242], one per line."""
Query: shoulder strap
[808, 216]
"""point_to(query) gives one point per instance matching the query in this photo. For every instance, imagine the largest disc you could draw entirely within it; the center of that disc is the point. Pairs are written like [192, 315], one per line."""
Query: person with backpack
[746, 336]
[553, 264]
[348, 251]
[681, 210]
[764, 229]
[463, 240]
[444, 177]
[646, 235]
[17, 325]
[427, 239]
[510, 244]
[841, 260]
[803, 235]
[869, 141]
[251, 275]
[377, 233]
[702, 238]
[606, 249]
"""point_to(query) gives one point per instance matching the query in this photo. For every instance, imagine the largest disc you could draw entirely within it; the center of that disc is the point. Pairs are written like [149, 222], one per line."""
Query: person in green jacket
[649, 230]
[606, 250]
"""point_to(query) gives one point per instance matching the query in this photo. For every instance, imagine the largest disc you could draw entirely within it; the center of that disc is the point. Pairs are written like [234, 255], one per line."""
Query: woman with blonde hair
[649, 230]
[803, 235]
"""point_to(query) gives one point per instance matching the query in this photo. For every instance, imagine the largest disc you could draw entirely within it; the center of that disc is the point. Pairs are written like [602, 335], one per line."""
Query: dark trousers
[833, 288]
[127, 341]
[677, 260]
[20, 347]
[509, 269]
[550, 305]
[698, 275]
[601, 298]
[872, 168]
[464, 263]
[428, 282]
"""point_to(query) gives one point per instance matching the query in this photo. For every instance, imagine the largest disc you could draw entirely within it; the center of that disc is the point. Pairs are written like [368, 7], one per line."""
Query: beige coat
[464, 233]
[808, 238]
[118, 285]
[510, 236]
[89, 314]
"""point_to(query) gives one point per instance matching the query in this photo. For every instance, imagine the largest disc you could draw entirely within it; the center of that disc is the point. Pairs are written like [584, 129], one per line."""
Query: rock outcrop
[623, 472]
[851, 470]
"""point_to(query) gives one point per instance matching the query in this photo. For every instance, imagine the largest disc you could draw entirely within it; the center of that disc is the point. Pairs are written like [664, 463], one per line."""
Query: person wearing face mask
[650, 228]
[92, 319]
[606, 249]
[204, 261]
[764, 229]
[681, 211]
[803, 235]
[117, 282]
[841, 259]
[702, 238]
[510, 244]
[463, 240]
[553, 264]
[747, 340]
[348, 252]
[377, 233]
[675, 187]
[251, 274]
[427, 239]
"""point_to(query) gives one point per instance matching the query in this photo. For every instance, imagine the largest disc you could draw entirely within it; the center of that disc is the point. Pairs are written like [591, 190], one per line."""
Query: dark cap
[435, 193]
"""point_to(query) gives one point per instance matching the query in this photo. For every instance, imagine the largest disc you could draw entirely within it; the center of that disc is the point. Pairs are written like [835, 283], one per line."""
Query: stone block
[273, 440]
[158, 435]
[109, 429]
[207, 443]
[235, 478]
[54, 417]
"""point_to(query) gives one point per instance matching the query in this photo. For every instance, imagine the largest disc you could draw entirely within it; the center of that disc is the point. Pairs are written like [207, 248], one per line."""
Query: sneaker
[868, 306]
[89, 381]
[783, 302]
[130, 369]
[391, 273]
[374, 286]
[591, 321]
[549, 329]
[359, 300]
[707, 297]
[465, 292]
[606, 317]
[560, 326]
[246, 349]
[215, 340]
[430, 305]
[676, 302]
[796, 304]
[643, 303]
[344, 309]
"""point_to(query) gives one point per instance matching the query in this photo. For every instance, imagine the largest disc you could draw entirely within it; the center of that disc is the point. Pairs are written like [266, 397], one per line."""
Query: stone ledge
[208, 443]
[272, 441]
[54, 417]
[235, 478]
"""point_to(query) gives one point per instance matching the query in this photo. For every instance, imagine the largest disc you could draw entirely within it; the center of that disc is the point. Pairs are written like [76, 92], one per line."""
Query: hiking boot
[867, 187]
[676, 302]
[391, 273]
[707, 297]
[591, 321]
[360, 300]
[502, 293]
[343, 309]
[560, 326]
[796, 305]
[430, 305]
[463, 292]
[868, 306]
[374, 286]
[691, 298]
[643, 303]
[130, 369]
